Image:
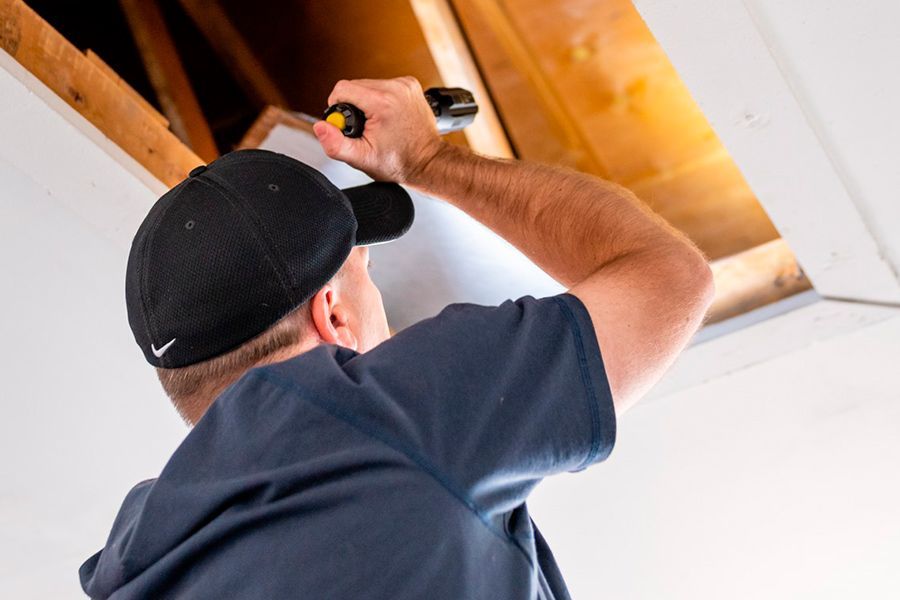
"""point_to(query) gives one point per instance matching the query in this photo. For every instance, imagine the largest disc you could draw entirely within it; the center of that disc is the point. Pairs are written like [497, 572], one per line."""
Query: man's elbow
[691, 278]
[699, 282]
[704, 281]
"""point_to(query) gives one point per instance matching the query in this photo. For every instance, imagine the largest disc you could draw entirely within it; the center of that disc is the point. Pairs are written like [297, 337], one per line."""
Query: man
[328, 460]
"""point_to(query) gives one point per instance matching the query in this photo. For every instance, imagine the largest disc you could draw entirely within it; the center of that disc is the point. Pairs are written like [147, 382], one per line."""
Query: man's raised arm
[644, 284]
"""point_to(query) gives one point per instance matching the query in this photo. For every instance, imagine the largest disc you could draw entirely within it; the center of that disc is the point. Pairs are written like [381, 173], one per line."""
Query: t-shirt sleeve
[494, 398]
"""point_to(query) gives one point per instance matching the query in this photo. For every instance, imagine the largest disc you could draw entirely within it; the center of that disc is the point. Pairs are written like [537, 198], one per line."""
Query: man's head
[346, 311]
[253, 260]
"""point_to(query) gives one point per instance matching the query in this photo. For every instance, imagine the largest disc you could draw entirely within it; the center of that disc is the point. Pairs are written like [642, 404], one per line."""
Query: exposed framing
[215, 25]
[89, 89]
[168, 77]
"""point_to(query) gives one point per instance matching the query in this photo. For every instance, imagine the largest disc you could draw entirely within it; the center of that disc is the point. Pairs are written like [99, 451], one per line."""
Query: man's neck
[195, 407]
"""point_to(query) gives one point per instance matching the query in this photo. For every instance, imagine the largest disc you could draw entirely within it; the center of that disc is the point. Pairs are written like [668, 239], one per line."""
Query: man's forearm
[645, 286]
[568, 223]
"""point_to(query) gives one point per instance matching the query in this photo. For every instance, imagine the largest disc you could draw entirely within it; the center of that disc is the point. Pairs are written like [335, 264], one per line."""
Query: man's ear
[330, 318]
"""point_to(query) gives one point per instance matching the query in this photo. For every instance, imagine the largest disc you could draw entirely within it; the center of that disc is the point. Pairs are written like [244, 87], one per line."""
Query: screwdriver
[453, 108]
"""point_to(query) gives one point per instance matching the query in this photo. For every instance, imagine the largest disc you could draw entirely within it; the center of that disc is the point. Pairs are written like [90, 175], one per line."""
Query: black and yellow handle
[346, 117]
[453, 108]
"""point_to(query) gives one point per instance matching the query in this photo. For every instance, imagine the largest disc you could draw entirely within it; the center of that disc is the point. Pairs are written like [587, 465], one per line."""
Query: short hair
[184, 385]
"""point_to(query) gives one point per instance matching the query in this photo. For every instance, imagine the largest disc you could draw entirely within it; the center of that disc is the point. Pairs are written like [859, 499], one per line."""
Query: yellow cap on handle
[346, 117]
[337, 119]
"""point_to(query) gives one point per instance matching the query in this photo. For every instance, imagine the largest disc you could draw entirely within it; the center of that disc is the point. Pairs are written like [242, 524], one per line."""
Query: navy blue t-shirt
[398, 473]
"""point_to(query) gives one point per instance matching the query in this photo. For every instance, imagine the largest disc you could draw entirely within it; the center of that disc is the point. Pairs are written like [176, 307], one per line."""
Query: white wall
[84, 418]
[778, 481]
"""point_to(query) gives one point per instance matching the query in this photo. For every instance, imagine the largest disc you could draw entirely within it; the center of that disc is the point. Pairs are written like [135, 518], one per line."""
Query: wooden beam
[532, 97]
[233, 50]
[167, 76]
[87, 88]
[453, 57]
[754, 278]
[123, 85]
[269, 118]
[711, 203]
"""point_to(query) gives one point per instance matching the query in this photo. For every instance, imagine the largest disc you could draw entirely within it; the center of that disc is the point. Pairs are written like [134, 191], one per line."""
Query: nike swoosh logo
[161, 351]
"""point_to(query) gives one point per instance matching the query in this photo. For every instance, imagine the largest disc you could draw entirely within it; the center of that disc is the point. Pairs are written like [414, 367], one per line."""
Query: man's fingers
[362, 93]
[370, 92]
[335, 144]
[411, 83]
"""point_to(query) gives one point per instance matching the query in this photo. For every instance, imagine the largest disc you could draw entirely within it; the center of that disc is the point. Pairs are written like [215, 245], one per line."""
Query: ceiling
[579, 83]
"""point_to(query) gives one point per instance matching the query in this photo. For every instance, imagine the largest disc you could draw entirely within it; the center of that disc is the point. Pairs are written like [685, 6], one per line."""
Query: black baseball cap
[241, 243]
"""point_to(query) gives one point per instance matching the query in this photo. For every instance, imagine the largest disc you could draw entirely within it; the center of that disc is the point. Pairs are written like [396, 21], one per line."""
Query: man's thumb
[331, 139]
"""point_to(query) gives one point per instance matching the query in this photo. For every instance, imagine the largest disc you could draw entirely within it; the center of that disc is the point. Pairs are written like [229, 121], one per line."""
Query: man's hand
[400, 135]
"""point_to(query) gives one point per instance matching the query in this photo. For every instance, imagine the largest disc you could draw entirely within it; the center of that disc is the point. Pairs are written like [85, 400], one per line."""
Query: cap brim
[384, 212]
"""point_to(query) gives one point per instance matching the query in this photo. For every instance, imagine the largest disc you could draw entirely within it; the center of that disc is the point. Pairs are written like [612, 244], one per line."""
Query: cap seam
[335, 194]
[260, 155]
[212, 181]
[296, 165]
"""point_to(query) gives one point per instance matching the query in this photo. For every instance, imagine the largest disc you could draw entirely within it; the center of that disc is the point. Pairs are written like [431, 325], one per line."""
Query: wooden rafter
[89, 89]
[168, 77]
[123, 85]
[233, 50]
[457, 67]
[268, 119]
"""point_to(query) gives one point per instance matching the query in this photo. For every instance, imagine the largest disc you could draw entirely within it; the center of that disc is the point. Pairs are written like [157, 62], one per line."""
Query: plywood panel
[710, 202]
[583, 83]
[614, 80]
[535, 118]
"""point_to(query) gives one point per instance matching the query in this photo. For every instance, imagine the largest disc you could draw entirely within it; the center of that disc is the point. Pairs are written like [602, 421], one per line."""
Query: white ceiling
[842, 60]
[777, 481]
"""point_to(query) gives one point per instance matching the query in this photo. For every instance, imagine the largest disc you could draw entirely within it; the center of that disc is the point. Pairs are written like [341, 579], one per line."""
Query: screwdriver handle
[346, 117]
[453, 108]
